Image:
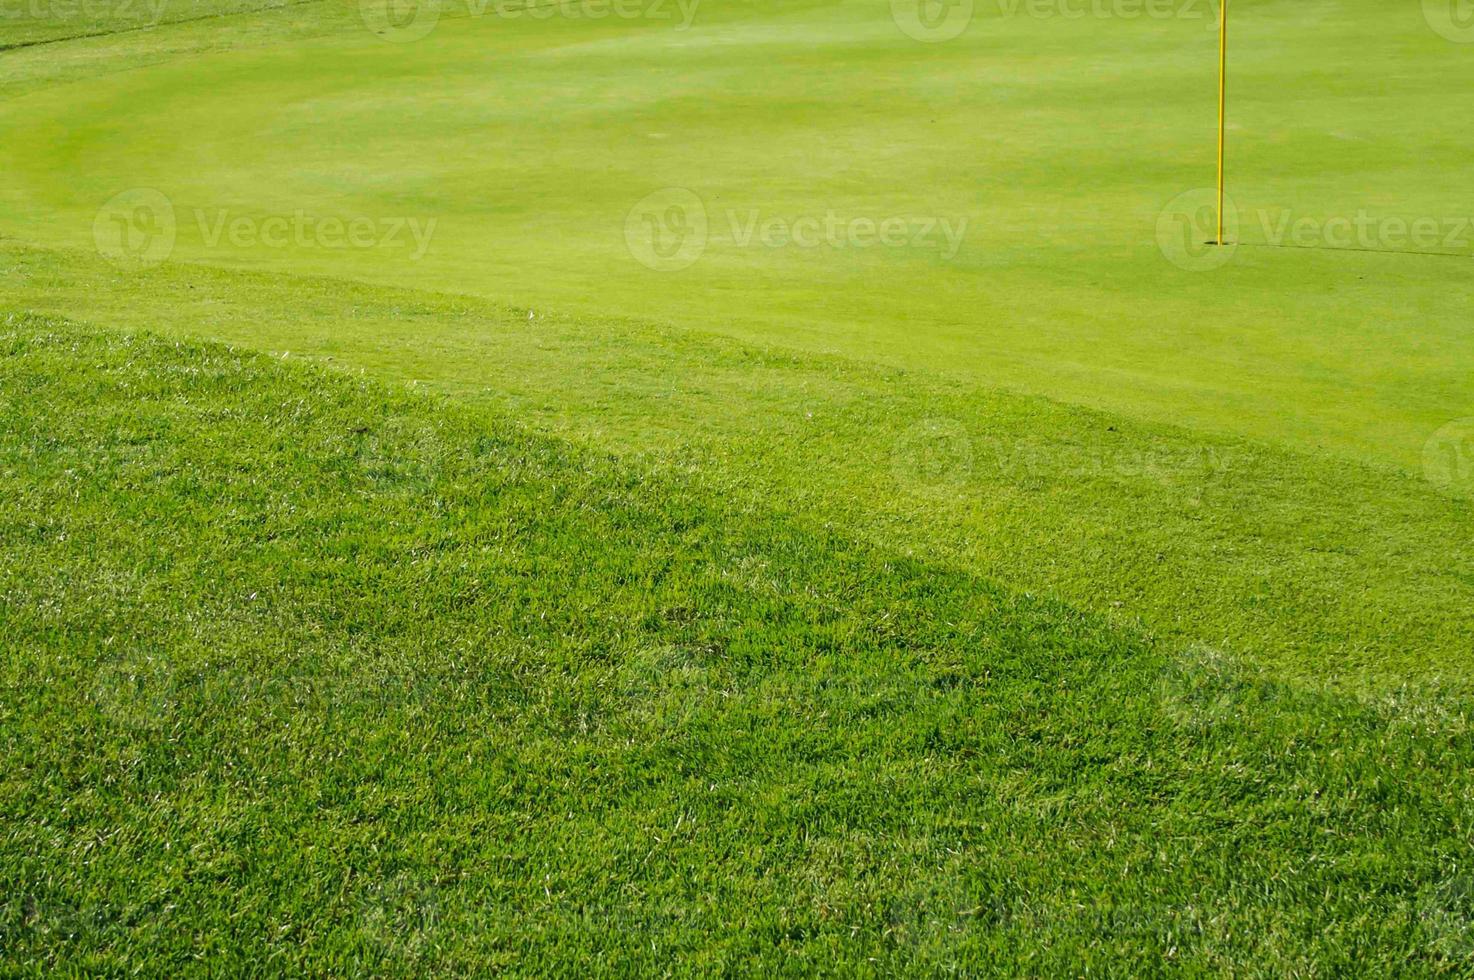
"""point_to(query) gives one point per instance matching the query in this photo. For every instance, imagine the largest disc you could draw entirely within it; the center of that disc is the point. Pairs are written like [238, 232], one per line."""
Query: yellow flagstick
[1222, 103]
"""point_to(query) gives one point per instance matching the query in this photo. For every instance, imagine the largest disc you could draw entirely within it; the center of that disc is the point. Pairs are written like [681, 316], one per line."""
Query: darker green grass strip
[84, 28]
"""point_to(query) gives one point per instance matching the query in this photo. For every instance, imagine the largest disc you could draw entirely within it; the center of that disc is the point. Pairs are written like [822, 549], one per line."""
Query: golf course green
[743, 486]
[1049, 145]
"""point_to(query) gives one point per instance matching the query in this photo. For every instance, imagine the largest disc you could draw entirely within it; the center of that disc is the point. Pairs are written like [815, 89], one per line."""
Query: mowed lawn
[747, 487]
[1023, 167]
[305, 675]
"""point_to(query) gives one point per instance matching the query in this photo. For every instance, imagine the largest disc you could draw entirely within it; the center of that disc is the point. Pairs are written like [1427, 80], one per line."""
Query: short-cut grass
[427, 547]
[1320, 568]
[303, 674]
[1059, 139]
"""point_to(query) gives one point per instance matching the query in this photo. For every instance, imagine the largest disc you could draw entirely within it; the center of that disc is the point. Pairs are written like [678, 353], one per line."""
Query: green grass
[29, 23]
[476, 596]
[306, 674]
[528, 142]
[1318, 567]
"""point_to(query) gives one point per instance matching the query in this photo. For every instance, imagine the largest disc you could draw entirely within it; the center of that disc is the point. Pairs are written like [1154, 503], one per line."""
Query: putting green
[989, 206]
